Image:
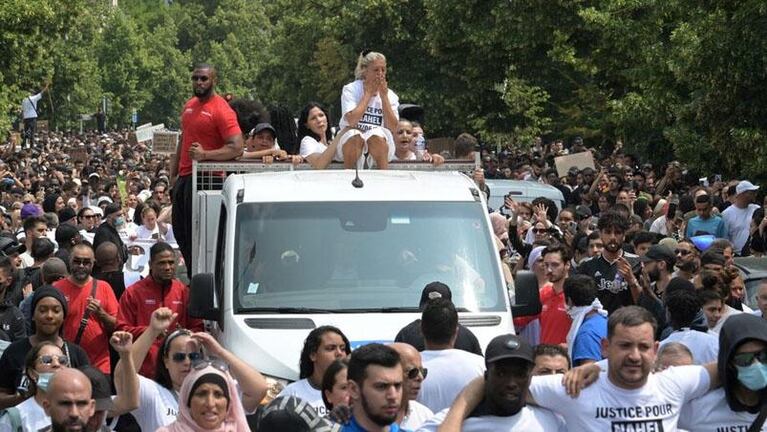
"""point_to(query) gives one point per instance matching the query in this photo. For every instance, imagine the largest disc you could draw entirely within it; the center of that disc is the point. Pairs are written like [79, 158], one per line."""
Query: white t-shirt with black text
[351, 95]
[304, 391]
[604, 406]
[449, 372]
[529, 419]
[158, 406]
[710, 413]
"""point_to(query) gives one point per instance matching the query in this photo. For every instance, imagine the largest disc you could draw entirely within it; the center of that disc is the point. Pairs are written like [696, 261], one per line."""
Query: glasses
[202, 78]
[89, 216]
[746, 359]
[682, 252]
[48, 359]
[179, 357]
[212, 362]
[413, 373]
[81, 262]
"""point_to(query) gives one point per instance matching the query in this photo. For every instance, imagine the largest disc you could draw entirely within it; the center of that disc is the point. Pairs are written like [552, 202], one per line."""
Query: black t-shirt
[12, 322]
[12, 361]
[116, 280]
[411, 334]
[611, 296]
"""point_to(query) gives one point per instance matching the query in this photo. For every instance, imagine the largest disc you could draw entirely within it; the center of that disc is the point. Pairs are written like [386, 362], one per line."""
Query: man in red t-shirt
[555, 323]
[77, 289]
[160, 289]
[209, 132]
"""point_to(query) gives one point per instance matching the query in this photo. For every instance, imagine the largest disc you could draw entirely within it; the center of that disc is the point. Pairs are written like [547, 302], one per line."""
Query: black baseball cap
[659, 252]
[261, 127]
[9, 246]
[434, 290]
[508, 346]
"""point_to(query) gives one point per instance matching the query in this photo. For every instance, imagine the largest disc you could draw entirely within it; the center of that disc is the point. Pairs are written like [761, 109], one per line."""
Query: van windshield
[356, 257]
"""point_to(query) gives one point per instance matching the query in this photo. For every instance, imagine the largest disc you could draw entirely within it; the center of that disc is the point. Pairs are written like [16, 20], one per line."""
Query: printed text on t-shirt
[372, 117]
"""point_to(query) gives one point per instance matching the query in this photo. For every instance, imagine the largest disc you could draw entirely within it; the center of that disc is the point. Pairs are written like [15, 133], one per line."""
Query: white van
[281, 252]
[522, 191]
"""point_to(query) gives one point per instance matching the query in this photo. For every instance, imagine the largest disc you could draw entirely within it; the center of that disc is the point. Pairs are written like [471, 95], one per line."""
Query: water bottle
[420, 147]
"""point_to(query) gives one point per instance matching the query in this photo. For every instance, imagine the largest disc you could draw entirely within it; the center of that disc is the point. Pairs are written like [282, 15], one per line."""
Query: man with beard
[109, 230]
[412, 414]
[554, 319]
[92, 300]
[375, 389]
[658, 265]
[614, 270]
[210, 132]
[627, 396]
[687, 260]
[502, 406]
[68, 401]
[160, 289]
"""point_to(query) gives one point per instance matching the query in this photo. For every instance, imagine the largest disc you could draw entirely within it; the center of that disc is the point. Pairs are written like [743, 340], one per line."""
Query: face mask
[43, 379]
[753, 376]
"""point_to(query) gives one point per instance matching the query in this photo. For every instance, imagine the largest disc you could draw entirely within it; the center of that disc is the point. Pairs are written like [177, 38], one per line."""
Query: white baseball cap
[745, 186]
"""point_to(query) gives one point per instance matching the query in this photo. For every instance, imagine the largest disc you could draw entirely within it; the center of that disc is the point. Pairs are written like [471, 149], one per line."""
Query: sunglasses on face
[48, 359]
[682, 252]
[179, 357]
[413, 373]
[202, 78]
[81, 262]
[745, 359]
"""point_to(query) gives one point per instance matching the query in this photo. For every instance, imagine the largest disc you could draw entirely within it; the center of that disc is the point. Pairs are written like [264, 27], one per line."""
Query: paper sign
[579, 160]
[145, 132]
[164, 142]
[79, 154]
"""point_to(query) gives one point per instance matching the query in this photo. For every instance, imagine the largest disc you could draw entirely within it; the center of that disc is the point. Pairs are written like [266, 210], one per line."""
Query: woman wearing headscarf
[208, 402]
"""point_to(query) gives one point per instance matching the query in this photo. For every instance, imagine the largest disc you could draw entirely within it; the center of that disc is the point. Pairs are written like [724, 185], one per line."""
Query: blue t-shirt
[588, 341]
[713, 225]
[353, 426]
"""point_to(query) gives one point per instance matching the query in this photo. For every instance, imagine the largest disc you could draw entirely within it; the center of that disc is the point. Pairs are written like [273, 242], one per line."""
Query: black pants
[30, 127]
[182, 219]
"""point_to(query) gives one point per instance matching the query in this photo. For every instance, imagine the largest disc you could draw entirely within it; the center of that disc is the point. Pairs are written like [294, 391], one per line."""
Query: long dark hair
[312, 344]
[31, 359]
[303, 130]
[162, 376]
[285, 126]
[329, 379]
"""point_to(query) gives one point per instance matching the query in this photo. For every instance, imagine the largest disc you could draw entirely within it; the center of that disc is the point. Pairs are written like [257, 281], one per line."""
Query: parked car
[754, 270]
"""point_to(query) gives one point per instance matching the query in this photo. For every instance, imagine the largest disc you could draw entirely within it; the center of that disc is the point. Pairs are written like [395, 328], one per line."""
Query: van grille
[480, 320]
[280, 323]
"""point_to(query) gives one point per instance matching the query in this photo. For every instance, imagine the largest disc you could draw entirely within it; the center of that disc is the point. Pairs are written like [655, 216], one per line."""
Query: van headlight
[274, 386]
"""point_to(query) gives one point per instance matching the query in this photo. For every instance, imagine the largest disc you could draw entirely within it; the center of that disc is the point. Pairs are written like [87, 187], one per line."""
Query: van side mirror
[527, 299]
[201, 293]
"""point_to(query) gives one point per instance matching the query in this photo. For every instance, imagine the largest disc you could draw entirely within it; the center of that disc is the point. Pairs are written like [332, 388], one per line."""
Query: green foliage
[673, 79]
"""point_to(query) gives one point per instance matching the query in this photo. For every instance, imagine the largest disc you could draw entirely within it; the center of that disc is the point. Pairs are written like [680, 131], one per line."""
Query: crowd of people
[644, 323]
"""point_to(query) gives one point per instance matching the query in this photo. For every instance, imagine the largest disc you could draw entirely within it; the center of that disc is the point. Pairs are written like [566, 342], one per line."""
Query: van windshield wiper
[288, 310]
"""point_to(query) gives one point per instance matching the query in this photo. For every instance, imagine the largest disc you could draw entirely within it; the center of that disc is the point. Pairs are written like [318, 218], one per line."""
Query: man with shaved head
[68, 401]
[210, 132]
[412, 414]
[110, 268]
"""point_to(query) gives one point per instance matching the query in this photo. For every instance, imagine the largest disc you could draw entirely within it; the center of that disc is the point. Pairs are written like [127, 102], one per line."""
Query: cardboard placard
[164, 142]
[42, 125]
[579, 160]
[79, 154]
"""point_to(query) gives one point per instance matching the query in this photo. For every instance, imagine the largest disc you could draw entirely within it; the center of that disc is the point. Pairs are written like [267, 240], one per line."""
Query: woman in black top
[49, 310]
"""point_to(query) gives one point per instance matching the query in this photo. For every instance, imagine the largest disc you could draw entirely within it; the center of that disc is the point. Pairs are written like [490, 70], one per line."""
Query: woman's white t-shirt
[304, 391]
[351, 96]
[158, 406]
[142, 232]
[311, 146]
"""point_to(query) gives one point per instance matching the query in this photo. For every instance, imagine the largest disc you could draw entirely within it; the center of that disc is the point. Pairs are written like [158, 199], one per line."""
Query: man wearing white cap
[738, 215]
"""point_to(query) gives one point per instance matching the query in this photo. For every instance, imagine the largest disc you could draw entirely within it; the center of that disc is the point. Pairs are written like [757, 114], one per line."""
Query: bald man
[109, 267]
[412, 413]
[673, 354]
[68, 402]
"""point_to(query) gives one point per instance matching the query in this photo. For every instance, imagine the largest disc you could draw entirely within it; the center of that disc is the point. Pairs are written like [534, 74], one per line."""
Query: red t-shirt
[209, 123]
[555, 323]
[95, 340]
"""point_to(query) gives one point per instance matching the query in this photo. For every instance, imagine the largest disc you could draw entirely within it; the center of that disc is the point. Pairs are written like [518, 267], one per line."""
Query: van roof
[336, 185]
